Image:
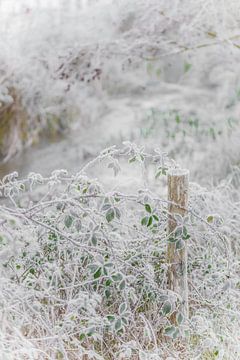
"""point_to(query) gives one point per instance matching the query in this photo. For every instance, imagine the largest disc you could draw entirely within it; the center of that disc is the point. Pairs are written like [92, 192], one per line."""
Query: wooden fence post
[178, 182]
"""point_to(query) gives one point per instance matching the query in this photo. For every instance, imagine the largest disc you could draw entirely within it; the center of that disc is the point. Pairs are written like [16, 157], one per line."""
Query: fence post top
[178, 172]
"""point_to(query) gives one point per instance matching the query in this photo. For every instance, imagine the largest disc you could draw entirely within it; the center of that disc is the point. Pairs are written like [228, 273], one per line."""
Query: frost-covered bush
[72, 61]
[84, 271]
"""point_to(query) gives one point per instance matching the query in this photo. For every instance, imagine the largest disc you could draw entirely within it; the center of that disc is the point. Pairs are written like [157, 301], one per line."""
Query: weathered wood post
[178, 182]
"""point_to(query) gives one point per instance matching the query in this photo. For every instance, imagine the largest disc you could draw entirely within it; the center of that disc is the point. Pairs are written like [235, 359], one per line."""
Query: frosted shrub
[83, 269]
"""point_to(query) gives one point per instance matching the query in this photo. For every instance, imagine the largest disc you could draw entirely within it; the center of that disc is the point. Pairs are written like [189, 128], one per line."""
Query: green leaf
[109, 264]
[180, 244]
[78, 225]
[186, 236]
[133, 159]
[122, 285]
[180, 318]
[118, 324]
[167, 308]
[98, 273]
[117, 277]
[122, 308]
[185, 232]
[210, 219]
[144, 221]
[82, 337]
[32, 271]
[150, 221]
[177, 119]
[110, 215]
[161, 171]
[148, 208]
[176, 333]
[91, 332]
[105, 270]
[107, 293]
[187, 67]
[111, 318]
[169, 331]
[164, 171]
[92, 267]
[106, 207]
[117, 212]
[172, 239]
[94, 240]
[68, 221]
[124, 320]
[178, 232]
[108, 282]
[156, 217]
